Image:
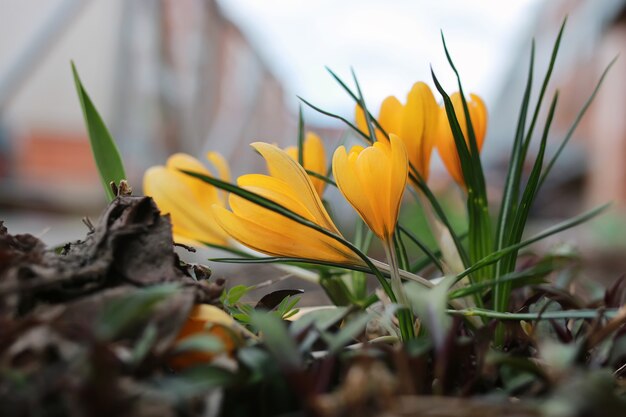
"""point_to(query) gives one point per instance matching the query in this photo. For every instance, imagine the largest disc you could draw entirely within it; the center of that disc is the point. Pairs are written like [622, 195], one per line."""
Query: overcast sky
[390, 44]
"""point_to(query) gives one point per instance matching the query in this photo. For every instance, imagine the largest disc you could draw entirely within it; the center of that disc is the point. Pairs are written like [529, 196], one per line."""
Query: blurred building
[167, 76]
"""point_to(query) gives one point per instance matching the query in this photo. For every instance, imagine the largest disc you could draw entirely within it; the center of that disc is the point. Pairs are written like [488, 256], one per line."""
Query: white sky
[390, 44]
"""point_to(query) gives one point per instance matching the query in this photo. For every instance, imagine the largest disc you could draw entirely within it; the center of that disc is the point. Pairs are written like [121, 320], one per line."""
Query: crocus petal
[398, 176]
[373, 181]
[273, 233]
[349, 182]
[283, 167]
[188, 200]
[177, 198]
[275, 190]
[390, 116]
[206, 196]
[415, 123]
[421, 115]
[314, 159]
[282, 238]
[445, 140]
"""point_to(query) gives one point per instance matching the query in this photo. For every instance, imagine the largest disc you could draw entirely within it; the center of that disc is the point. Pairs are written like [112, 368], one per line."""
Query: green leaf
[235, 293]
[105, 152]
[503, 290]
[200, 343]
[322, 319]
[531, 274]
[300, 136]
[195, 381]
[495, 256]
[546, 315]
[277, 339]
[145, 343]
[130, 309]
[580, 115]
[429, 305]
[352, 329]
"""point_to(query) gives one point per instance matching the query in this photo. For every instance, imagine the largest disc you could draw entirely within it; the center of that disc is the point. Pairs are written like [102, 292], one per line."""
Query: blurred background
[198, 75]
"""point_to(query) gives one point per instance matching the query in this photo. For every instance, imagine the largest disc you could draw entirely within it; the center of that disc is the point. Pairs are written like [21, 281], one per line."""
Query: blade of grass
[300, 136]
[503, 290]
[546, 315]
[580, 115]
[495, 256]
[105, 152]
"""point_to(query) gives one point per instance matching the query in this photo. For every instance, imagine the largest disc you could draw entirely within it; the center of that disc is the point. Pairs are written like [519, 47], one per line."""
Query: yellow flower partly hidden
[314, 159]
[414, 122]
[373, 179]
[445, 139]
[188, 200]
[266, 231]
[205, 319]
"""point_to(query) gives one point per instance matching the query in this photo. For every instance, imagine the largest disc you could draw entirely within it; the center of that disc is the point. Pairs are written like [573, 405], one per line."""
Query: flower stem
[405, 315]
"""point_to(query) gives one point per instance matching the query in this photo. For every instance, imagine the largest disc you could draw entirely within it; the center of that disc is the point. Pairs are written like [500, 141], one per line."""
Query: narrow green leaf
[546, 315]
[502, 291]
[322, 319]
[131, 308]
[495, 256]
[544, 86]
[429, 305]
[361, 102]
[335, 116]
[200, 343]
[580, 115]
[510, 195]
[352, 329]
[277, 339]
[533, 273]
[105, 152]
[300, 136]
[427, 251]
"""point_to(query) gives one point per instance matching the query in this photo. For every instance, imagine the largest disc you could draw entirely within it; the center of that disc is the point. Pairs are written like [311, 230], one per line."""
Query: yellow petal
[220, 164]
[283, 167]
[275, 190]
[349, 182]
[373, 181]
[372, 167]
[204, 193]
[315, 160]
[174, 196]
[390, 117]
[285, 238]
[445, 141]
[398, 177]
[223, 171]
[421, 115]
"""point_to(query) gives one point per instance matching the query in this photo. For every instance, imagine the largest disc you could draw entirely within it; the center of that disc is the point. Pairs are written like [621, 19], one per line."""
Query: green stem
[547, 315]
[405, 315]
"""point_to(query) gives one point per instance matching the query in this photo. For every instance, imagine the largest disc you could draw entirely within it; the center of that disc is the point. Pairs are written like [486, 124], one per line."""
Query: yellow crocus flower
[414, 122]
[314, 159]
[188, 200]
[272, 233]
[373, 179]
[206, 320]
[445, 140]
